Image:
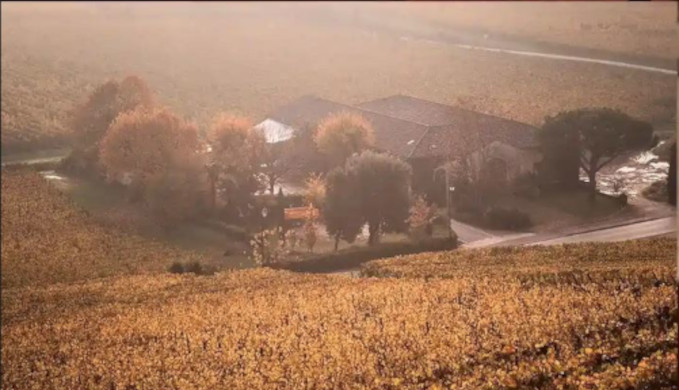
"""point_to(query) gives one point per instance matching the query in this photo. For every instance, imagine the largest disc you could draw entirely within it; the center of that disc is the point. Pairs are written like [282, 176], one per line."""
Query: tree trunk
[272, 184]
[374, 233]
[337, 240]
[591, 174]
[592, 185]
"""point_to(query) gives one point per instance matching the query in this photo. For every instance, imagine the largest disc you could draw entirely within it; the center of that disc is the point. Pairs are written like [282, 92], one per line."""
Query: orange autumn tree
[157, 154]
[341, 135]
[237, 153]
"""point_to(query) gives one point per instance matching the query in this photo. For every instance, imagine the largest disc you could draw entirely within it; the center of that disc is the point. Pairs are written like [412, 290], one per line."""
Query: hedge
[354, 257]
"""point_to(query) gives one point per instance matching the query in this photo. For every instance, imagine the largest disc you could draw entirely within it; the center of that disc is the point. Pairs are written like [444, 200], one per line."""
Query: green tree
[382, 184]
[341, 207]
[341, 135]
[595, 136]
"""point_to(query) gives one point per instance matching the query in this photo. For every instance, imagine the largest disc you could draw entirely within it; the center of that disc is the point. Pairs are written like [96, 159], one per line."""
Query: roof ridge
[471, 111]
[419, 141]
[356, 108]
[389, 116]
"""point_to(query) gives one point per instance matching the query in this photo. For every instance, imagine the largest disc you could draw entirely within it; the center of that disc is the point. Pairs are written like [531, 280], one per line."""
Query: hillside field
[46, 239]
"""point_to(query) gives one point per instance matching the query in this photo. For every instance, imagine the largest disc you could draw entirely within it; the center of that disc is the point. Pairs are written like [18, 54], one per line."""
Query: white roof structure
[275, 131]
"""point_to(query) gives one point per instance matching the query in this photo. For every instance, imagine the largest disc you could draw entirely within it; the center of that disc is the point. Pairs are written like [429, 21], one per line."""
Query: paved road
[468, 233]
[467, 38]
[633, 231]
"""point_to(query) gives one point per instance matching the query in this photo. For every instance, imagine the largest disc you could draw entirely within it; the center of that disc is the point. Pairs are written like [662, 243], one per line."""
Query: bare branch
[606, 162]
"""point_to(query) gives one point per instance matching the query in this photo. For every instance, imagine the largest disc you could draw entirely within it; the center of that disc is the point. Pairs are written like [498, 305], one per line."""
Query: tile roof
[392, 135]
[410, 127]
[452, 128]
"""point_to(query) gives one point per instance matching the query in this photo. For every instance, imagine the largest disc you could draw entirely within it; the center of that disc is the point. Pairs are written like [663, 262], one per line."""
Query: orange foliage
[235, 142]
[161, 154]
[340, 135]
[144, 143]
[91, 119]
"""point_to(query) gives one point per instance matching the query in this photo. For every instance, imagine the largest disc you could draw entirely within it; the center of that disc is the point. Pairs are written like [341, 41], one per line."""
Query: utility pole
[450, 228]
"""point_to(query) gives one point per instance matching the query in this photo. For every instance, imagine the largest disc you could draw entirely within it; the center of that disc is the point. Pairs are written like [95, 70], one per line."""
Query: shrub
[507, 219]
[292, 239]
[420, 219]
[194, 267]
[314, 190]
[310, 236]
[268, 247]
[177, 268]
[353, 257]
[199, 269]
[656, 191]
[440, 220]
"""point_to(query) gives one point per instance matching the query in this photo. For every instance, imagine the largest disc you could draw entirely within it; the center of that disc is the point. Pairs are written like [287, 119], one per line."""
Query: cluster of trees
[124, 135]
[362, 186]
[584, 139]
[91, 120]
[588, 139]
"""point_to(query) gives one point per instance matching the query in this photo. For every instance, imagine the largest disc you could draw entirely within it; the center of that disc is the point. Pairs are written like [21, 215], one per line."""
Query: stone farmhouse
[426, 134]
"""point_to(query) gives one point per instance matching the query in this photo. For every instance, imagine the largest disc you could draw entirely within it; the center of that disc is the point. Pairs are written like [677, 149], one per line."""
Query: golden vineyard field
[642, 260]
[46, 239]
[264, 329]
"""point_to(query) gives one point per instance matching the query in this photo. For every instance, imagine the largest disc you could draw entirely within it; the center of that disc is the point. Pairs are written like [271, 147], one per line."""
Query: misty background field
[252, 58]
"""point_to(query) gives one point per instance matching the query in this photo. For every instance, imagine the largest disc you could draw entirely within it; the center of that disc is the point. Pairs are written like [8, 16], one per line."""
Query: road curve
[633, 231]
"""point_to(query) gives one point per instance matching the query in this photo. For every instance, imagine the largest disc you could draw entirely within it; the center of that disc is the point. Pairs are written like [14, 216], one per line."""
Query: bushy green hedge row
[354, 257]
[194, 268]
